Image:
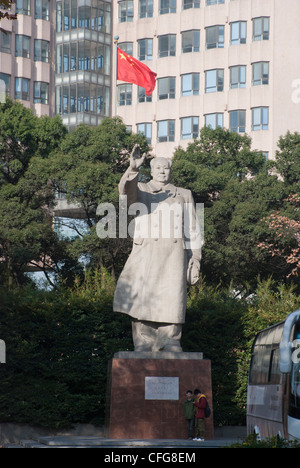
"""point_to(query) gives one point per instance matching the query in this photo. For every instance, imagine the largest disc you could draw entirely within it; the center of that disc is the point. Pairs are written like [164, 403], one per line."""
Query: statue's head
[161, 169]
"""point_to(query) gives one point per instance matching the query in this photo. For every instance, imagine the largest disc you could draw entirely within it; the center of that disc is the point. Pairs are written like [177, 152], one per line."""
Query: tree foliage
[26, 234]
[239, 191]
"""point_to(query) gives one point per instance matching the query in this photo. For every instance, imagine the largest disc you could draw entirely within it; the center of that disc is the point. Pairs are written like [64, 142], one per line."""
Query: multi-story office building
[26, 55]
[56, 58]
[83, 61]
[228, 63]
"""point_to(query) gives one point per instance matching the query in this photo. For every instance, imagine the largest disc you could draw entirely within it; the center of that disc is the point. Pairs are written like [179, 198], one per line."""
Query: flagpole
[116, 40]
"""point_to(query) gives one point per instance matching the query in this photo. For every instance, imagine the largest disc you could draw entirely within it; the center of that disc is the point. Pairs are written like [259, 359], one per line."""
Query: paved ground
[98, 442]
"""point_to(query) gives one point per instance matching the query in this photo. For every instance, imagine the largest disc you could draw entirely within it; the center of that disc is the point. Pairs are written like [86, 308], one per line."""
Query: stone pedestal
[146, 392]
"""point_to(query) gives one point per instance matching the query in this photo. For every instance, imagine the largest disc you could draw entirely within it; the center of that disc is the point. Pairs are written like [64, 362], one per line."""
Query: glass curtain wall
[83, 52]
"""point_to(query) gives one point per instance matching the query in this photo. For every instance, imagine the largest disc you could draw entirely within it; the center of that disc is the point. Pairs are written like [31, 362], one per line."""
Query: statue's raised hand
[136, 160]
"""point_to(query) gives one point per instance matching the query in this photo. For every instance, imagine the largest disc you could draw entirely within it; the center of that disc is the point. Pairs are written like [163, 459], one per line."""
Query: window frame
[169, 82]
[240, 39]
[169, 136]
[218, 87]
[193, 123]
[23, 94]
[171, 46]
[43, 88]
[242, 76]
[194, 89]
[262, 112]
[194, 40]
[215, 31]
[241, 121]
[264, 34]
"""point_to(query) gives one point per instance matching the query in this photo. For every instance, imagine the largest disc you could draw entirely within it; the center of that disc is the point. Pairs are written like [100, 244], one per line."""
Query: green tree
[238, 191]
[287, 162]
[210, 162]
[26, 198]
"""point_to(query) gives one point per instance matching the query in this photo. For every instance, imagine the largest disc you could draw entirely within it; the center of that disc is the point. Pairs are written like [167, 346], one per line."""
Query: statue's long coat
[153, 283]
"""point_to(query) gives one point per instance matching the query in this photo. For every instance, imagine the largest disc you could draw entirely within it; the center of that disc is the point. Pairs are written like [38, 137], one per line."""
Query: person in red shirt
[200, 403]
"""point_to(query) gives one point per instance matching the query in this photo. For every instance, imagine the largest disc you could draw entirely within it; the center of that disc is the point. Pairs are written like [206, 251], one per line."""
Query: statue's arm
[194, 242]
[128, 185]
[129, 182]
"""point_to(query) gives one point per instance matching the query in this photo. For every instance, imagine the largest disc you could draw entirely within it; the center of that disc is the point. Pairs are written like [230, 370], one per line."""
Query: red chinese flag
[131, 70]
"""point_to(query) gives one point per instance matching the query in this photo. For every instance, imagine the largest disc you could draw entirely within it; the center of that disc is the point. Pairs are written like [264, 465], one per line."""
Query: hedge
[59, 343]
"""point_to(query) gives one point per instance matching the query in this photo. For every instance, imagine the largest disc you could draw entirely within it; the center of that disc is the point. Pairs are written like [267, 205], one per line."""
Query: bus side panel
[264, 410]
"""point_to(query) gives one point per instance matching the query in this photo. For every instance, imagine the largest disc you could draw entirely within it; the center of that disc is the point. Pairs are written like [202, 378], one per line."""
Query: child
[200, 403]
[189, 412]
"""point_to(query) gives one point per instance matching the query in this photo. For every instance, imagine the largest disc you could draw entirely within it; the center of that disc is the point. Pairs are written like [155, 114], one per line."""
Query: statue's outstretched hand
[136, 160]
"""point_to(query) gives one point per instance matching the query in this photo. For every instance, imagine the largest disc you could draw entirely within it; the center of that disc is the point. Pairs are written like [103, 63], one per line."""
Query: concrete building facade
[229, 63]
[27, 55]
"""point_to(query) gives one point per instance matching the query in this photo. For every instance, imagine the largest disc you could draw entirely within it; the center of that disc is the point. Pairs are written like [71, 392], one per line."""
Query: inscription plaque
[161, 388]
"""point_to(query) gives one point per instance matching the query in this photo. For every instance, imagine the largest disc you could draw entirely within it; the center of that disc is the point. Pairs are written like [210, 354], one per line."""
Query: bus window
[274, 370]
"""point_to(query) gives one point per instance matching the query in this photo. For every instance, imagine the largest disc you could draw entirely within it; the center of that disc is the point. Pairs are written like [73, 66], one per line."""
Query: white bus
[273, 399]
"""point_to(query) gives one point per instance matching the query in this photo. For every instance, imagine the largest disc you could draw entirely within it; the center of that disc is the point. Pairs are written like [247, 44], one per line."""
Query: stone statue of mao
[166, 254]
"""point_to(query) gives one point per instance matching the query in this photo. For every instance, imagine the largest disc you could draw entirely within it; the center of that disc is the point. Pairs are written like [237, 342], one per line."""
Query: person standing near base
[189, 412]
[200, 403]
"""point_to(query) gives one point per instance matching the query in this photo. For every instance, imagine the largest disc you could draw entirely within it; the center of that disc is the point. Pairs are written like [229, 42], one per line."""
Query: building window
[145, 8]
[58, 16]
[42, 9]
[214, 2]
[190, 84]
[41, 92]
[238, 32]
[23, 7]
[81, 98]
[266, 155]
[5, 83]
[82, 55]
[167, 45]
[125, 95]
[260, 118]
[260, 73]
[22, 89]
[238, 121]
[145, 49]
[214, 81]
[71, 14]
[126, 11]
[166, 88]
[238, 77]
[22, 46]
[214, 120]
[261, 29]
[127, 47]
[167, 6]
[189, 128]
[186, 4]
[191, 41]
[215, 37]
[145, 129]
[5, 42]
[41, 50]
[165, 131]
[142, 97]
